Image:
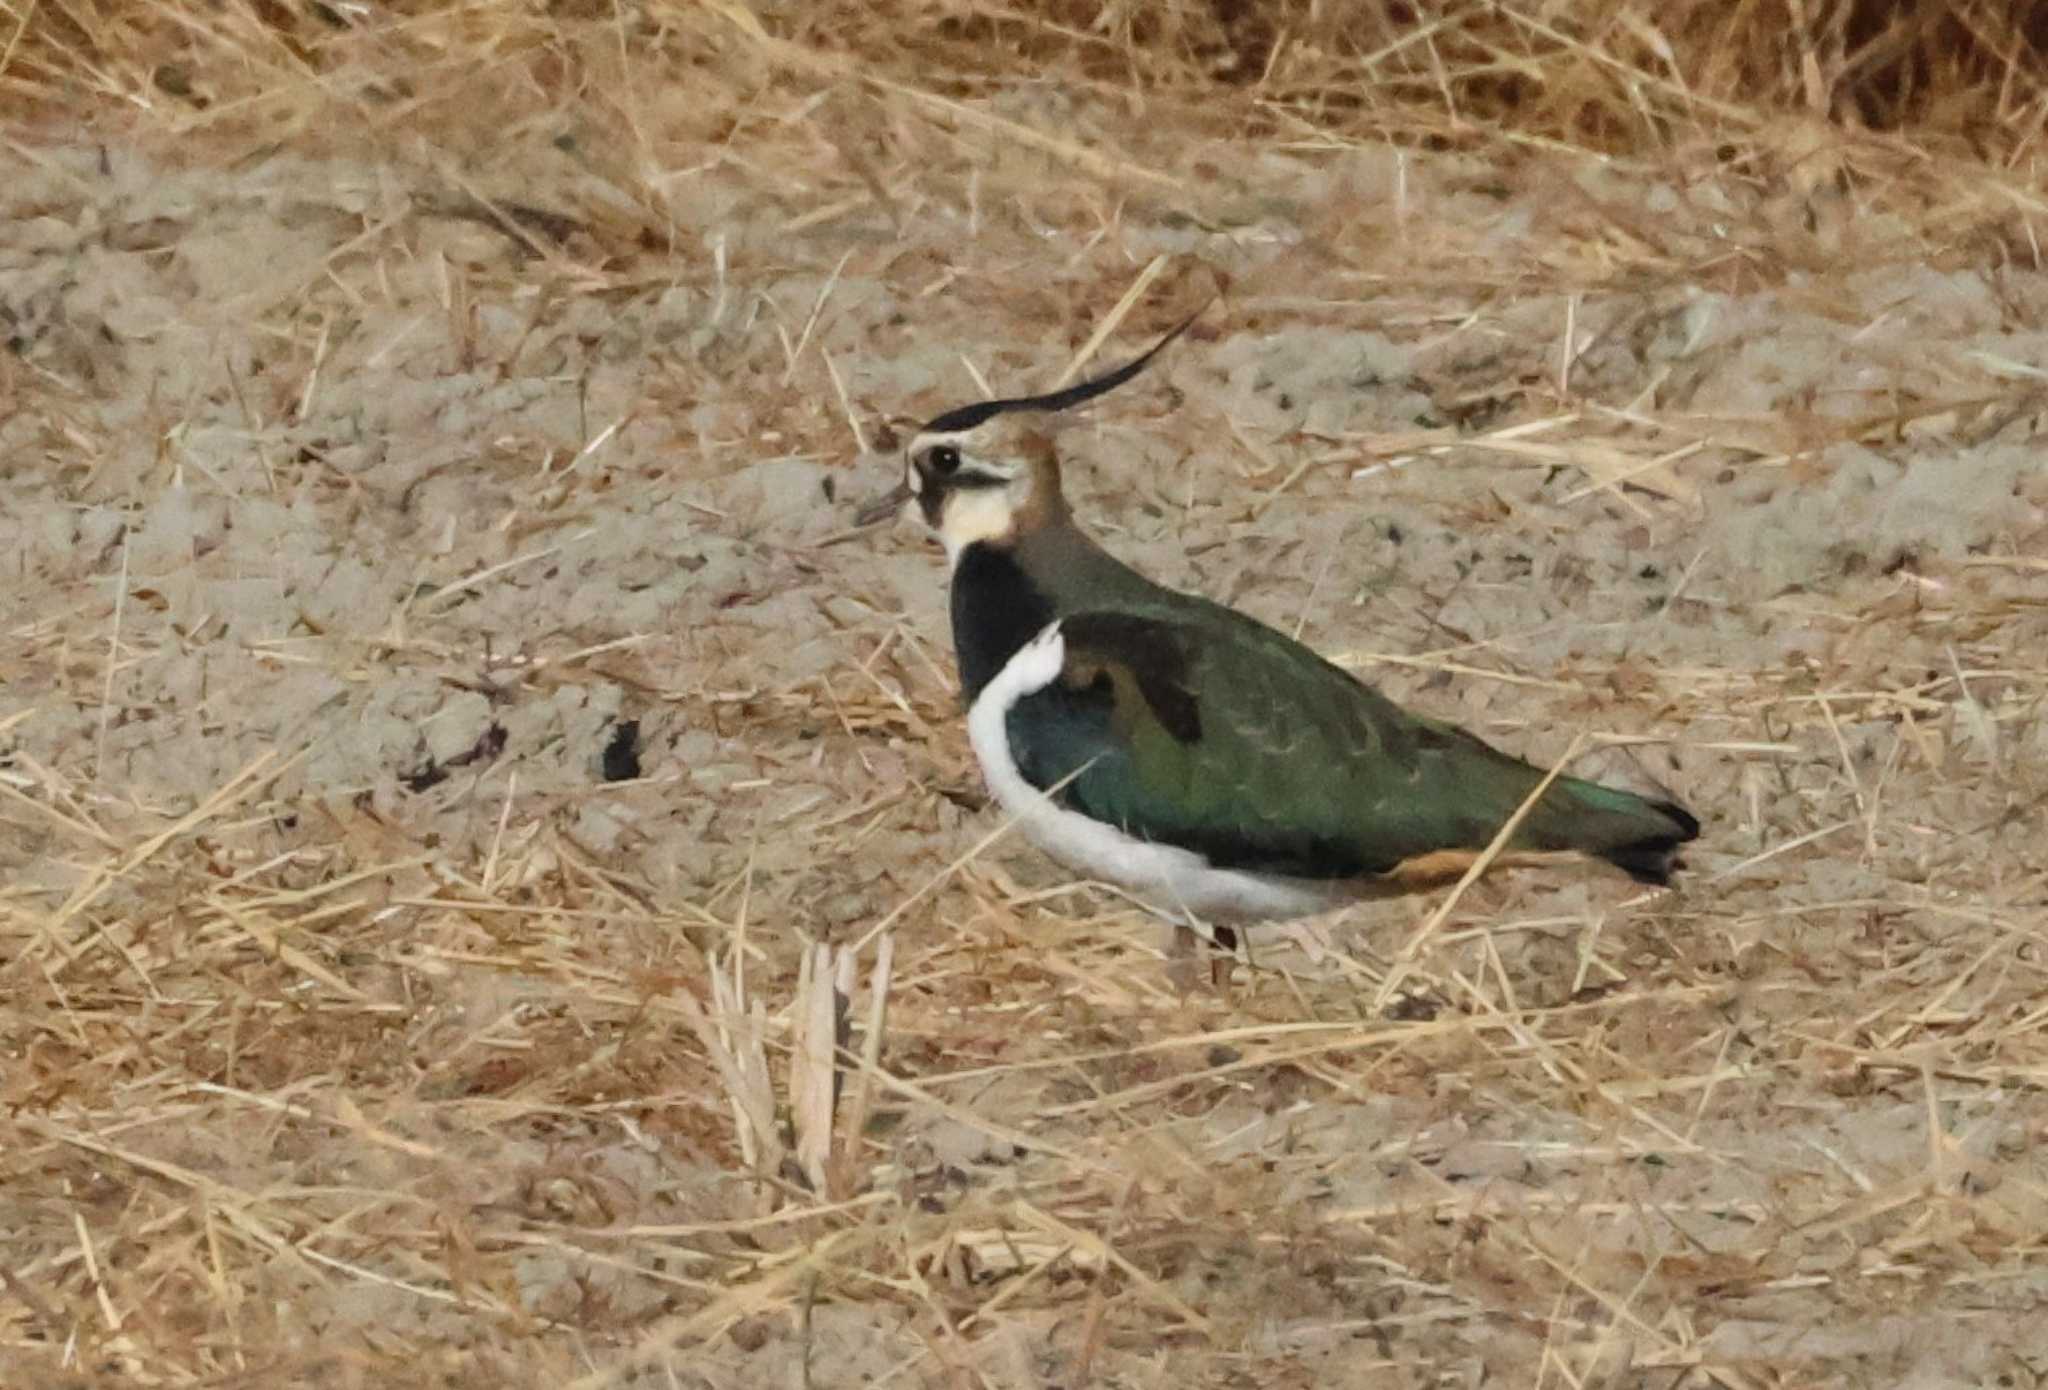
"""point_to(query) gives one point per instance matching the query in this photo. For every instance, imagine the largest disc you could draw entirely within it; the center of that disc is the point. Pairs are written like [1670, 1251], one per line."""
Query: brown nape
[1047, 504]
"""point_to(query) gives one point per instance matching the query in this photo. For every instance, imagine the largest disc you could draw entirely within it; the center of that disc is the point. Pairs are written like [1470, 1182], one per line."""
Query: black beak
[884, 507]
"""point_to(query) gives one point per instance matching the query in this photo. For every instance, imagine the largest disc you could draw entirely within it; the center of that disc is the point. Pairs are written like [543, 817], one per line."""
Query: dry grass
[781, 1074]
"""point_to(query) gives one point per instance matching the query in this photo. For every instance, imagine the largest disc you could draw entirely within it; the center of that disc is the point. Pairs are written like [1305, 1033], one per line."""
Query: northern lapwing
[1212, 767]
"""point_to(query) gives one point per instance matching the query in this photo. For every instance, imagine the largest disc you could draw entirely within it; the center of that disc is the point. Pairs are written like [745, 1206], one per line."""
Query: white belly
[1177, 883]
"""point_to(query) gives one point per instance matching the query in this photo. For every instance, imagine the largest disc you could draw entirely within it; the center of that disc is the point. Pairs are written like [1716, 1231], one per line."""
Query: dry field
[493, 887]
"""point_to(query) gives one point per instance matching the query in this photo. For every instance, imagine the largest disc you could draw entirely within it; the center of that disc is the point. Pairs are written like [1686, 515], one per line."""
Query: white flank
[1174, 882]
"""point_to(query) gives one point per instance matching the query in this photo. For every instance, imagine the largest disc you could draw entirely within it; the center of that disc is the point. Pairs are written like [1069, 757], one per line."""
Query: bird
[1213, 768]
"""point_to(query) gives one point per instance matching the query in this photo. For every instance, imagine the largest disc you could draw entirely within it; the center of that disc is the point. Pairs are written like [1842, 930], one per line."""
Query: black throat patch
[996, 610]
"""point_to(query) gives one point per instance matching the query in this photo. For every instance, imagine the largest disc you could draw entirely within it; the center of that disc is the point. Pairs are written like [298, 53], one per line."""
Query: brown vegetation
[414, 416]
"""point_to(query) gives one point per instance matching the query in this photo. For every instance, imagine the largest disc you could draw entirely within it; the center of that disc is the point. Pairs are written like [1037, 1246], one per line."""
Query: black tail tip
[1654, 858]
[1688, 823]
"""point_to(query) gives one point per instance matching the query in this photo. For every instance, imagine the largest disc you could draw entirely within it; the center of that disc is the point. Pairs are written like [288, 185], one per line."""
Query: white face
[965, 495]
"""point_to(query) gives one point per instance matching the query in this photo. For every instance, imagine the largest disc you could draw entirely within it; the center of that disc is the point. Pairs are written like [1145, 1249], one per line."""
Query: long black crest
[966, 417]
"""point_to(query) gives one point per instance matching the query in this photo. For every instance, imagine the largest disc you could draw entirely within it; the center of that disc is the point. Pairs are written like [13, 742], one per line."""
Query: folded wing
[1196, 726]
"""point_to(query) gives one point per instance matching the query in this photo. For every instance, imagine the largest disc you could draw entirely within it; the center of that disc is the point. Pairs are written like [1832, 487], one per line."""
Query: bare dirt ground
[449, 727]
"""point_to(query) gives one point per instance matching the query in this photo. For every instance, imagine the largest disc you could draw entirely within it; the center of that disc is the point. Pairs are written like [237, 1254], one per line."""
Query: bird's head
[986, 481]
[988, 471]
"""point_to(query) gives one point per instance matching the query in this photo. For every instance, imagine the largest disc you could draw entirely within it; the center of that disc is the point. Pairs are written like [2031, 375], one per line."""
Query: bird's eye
[943, 459]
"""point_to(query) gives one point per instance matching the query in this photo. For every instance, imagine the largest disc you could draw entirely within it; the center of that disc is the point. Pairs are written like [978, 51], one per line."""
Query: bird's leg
[1188, 938]
[1225, 944]
[1220, 965]
[1182, 961]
